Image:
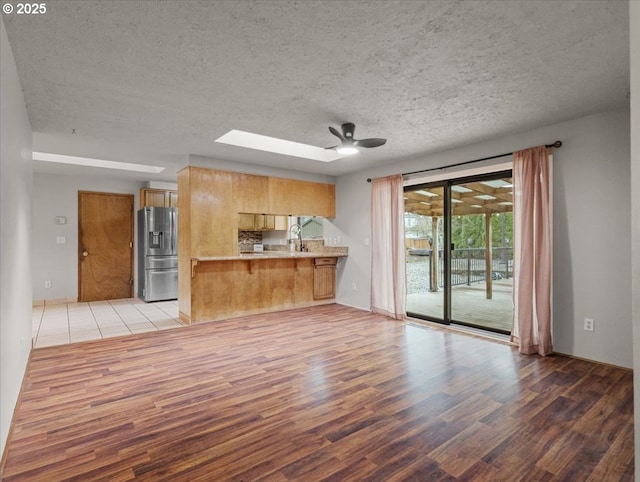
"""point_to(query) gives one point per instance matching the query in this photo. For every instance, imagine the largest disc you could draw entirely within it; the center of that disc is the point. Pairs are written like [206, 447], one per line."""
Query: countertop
[271, 255]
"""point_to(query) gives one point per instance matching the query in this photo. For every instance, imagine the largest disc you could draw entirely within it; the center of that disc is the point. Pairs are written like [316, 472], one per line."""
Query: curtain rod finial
[555, 144]
[368, 179]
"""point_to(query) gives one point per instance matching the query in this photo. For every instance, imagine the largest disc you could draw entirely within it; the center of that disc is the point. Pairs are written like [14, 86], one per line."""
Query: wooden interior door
[105, 246]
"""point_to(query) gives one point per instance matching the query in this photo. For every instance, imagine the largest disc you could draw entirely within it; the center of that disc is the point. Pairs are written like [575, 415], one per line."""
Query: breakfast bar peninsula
[215, 280]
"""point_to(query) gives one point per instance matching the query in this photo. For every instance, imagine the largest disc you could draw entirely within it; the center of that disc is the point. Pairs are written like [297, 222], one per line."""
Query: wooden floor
[325, 393]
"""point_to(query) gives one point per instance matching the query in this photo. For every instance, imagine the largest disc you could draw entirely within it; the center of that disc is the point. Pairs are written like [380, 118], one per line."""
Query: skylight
[484, 197]
[279, 146]
[460, 189]
[89, 162]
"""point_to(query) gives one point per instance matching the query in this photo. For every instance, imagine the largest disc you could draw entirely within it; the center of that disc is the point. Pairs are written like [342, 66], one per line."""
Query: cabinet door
[250, 193]
[281, 223]
[268, 222]
[158, 198]
[301, 198]
[152, 197]
[246, 222]
[281, 196]
[324, 282]
[320, 199]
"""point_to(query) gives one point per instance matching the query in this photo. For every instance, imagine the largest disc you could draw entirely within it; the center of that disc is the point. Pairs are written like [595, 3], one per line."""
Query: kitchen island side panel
[184, 246]
[232, 288]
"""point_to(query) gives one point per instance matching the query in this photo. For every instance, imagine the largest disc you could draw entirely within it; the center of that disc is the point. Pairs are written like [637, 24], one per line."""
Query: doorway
[105, 246]
[459, 246]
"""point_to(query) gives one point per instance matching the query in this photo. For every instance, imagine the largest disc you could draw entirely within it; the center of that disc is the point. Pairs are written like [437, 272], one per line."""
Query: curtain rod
[556, 144]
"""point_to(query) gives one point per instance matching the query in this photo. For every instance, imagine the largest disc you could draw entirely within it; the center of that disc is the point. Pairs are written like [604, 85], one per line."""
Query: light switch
[61, 240]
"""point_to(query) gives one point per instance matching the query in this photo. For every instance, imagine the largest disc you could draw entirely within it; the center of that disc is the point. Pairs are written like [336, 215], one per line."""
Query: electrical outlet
[353, 286]
[47, 284]
[589, 324]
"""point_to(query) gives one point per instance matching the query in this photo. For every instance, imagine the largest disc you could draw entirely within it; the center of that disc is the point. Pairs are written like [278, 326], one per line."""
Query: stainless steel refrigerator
[157, 253]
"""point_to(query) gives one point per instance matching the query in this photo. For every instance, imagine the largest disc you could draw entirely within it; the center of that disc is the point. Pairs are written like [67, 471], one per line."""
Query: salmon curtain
[532, 210]
[388, 279]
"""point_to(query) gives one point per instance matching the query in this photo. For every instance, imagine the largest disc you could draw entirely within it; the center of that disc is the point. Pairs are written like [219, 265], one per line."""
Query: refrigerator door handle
[173, 231]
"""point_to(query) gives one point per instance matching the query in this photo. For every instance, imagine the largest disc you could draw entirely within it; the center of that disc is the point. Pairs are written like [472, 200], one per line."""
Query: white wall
[634, 29]
[56, 195]
[15, 237]
[591, 229]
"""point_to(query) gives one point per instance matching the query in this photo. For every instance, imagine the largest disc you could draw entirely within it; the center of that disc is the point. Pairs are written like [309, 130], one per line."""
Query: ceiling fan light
[347, 150]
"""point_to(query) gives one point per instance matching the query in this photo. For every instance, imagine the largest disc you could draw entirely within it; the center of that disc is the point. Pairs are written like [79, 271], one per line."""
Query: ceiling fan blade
[373, 142]
[336, 133]
[333, 147]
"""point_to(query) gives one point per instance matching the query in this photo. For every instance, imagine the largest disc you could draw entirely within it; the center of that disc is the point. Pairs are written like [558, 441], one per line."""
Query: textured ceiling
[155, 81]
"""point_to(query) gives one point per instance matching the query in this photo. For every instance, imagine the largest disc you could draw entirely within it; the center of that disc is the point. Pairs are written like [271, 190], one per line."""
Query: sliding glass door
[459, 236]
[424, 242]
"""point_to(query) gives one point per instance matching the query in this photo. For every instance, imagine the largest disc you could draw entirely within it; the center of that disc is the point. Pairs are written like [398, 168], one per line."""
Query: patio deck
[469, 304]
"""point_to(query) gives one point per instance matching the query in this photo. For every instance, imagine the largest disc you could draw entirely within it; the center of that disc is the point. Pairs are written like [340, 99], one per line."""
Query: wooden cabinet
[210, 201]
[250, 193]
[246, 222]
[324, 278]
[210, 222]
[280, 199]
[265, 222]
[281, 223]
[261, 222]
[301, 198]
[158, 198]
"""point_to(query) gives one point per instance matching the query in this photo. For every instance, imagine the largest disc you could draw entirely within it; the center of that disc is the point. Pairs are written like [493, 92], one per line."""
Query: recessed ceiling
[155, 82]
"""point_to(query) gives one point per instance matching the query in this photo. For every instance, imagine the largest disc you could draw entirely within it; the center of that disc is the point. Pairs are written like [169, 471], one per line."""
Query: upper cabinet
[261, 222]
[301, 198]
[158, 198]
[250, 193]
[211, 200]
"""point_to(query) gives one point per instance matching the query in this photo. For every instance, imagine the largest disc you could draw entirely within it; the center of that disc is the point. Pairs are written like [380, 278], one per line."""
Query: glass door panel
[424, 243]
[482, 255]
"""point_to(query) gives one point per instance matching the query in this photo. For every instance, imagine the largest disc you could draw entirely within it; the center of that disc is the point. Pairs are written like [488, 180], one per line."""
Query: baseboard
[184, 318]
[54, 301]
[592, 361]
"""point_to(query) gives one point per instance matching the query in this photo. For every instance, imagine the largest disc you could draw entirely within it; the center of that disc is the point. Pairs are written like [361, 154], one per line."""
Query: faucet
[296, 230]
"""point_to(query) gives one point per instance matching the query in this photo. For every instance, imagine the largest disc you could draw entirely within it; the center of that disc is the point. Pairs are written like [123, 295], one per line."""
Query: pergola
[481, 197]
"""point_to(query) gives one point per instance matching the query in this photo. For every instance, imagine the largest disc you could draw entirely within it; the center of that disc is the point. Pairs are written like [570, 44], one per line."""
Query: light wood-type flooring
[324, 393]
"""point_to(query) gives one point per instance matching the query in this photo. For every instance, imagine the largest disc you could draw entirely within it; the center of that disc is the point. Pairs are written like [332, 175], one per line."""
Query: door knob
[85, 253]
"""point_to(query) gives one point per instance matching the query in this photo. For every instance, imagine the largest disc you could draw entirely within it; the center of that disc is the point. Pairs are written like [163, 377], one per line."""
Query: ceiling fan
[349, 144]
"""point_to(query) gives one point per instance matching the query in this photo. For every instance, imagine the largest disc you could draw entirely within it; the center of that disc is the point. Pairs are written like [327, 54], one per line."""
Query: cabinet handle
[85, 254]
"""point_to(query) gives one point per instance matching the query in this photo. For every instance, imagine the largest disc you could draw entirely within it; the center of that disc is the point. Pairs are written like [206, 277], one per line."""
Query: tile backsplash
[246, 239]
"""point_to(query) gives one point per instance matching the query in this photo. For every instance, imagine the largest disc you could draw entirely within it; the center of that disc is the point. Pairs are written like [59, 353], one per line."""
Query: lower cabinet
[324, 278]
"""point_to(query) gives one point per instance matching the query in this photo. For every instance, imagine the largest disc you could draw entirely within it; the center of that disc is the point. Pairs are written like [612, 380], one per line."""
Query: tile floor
[70, 322]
